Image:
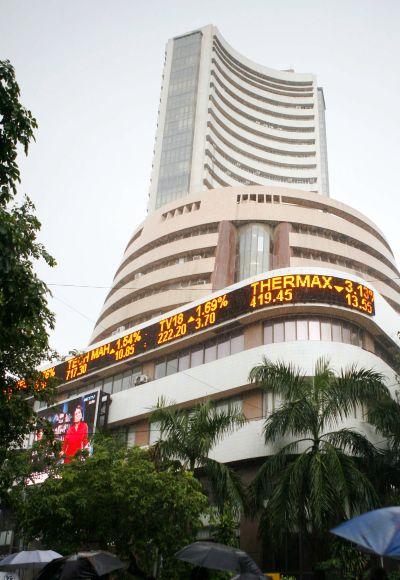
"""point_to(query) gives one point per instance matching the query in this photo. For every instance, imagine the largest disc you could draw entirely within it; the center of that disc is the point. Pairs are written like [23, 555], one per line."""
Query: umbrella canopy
[81, 565]
[377, 531]
[218, 557]
[28, 559]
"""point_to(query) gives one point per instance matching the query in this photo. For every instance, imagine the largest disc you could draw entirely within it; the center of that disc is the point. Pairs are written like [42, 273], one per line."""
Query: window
[196, 357]
[172, 365]
[160, 369]
[184, 361]
[6, 537]
[117, 386]
[326, 329]
[155, 433]
[290, 330]
[237, 343]
[210, 352]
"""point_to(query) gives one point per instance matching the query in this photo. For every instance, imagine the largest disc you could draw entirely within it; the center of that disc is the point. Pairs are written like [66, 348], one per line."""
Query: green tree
[24, 315]
[189, 436]
[116, 499]
[315, 477]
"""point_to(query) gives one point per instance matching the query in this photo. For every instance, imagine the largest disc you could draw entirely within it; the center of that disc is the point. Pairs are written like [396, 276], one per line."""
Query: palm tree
[189, 437]
[317, 475]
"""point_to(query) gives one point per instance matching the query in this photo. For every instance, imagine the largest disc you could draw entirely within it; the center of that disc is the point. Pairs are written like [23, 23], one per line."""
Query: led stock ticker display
[269, 292]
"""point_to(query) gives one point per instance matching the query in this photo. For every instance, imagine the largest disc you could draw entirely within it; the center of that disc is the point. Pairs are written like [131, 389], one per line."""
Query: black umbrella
[81, 565]
[218, 557]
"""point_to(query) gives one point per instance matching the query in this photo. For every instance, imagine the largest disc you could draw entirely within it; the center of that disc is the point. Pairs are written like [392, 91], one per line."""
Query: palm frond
[353, 387]
[292, 418]
[350, 441]
[283, 379]
[226, 485]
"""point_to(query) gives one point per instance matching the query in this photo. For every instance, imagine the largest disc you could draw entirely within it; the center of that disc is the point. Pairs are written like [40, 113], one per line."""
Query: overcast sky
[90, 71]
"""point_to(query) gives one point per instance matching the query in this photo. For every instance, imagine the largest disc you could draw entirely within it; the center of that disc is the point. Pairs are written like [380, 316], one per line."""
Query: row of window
[313, 329]
[270, 177]
[358, 267]
[258, 120]
[256, 158]
[287, 92]
[246, 70]
[246, 127]
[199, 354]
[255, 107]
[260, 173]
[157, 289]
[258, 97]
[343, 239]
[256, 144]
[200, 230]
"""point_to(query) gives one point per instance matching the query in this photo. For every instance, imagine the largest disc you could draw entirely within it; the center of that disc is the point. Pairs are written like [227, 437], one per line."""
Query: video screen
[73, 423]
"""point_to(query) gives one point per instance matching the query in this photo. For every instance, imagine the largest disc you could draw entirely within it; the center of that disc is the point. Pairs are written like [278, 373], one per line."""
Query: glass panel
[237, 343]
[253, 250]
[174, 170]
[224, 347]
[126, 380]
[172, 365]
[196, 356]
[210, 352]
[279, 332]
[184, 361]
[154, 433]
[290, 330]
[130, 436]
[354, 336]
[336, 331]
[160, 369]
[302, 329]
[268, 403]
[98, 384]
[346, 332]
[268, 333]
[117, 383]
[314, 330]
[107, 386]
[326, 330]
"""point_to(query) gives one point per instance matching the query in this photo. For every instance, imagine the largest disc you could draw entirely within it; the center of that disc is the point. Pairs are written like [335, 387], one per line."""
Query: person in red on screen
[76, 438]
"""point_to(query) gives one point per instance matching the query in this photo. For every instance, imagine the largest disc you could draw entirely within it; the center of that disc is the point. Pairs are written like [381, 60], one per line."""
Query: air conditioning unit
[141, 379]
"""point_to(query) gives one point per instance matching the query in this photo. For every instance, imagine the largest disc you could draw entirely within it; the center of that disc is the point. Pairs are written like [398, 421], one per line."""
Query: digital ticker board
[269, 292]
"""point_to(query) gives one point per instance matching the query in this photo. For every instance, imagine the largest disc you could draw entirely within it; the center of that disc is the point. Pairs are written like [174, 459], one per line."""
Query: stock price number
[171, 328]
[125, 346]
[358, 296]
[271, 297]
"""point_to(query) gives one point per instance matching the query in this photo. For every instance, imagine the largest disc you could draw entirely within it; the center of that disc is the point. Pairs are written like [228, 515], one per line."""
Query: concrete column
[281, 251]
[225, 257]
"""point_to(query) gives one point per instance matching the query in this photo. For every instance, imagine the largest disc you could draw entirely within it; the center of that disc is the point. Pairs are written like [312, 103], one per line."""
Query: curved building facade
[184, 251]
[225, 120]
[243, 254]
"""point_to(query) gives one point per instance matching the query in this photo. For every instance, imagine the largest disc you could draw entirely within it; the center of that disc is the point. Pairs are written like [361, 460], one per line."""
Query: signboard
[266, 293]
[73, 423]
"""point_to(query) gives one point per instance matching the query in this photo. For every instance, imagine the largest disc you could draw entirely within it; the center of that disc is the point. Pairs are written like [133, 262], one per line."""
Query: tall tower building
[239, 186]
[243, 254]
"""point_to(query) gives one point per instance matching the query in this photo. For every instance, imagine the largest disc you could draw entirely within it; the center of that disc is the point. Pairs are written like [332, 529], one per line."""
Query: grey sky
[90, 71]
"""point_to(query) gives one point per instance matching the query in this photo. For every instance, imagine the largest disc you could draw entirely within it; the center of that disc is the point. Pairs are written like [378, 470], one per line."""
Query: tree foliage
[116, 498]
[189, 436]
[315, 478]
[25, 318]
